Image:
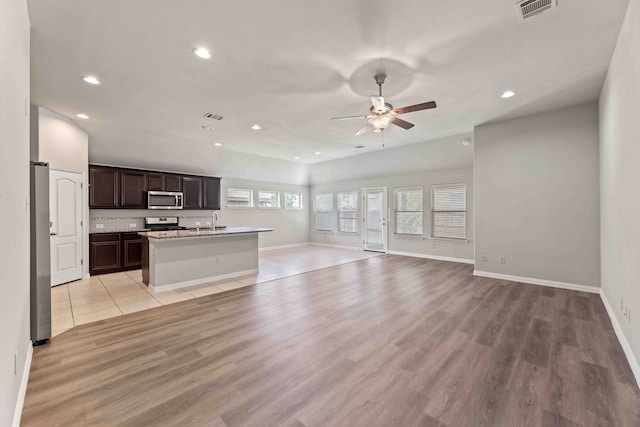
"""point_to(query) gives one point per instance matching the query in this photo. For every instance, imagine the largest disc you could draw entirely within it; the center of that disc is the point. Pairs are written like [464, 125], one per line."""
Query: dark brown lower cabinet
[131, 251]
[113, 252]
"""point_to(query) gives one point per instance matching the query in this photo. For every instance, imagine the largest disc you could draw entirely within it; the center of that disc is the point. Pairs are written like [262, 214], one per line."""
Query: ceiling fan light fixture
[380, 122]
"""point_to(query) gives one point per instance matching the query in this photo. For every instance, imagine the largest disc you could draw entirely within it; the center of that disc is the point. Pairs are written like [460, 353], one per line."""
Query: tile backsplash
[122, 219]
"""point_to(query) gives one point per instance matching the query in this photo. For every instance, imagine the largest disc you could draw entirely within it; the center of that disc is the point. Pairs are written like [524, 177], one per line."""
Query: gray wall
[620, 175]
[439, 154]
[536, 196]
[14, 169]
[419, 246]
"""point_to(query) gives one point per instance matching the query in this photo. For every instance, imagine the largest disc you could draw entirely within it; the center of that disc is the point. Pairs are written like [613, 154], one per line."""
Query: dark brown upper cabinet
[127, 188]
[156, 182]
[103, 187]
[173, 182]
[192, 192]
[132, 189]
[211, 193]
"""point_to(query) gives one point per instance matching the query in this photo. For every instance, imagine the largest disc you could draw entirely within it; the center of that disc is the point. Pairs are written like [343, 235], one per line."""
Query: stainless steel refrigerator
[40, 255]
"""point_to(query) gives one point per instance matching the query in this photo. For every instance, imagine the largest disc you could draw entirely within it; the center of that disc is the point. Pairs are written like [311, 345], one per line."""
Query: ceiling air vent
[529, 8]
[213, 116]
[357, 147]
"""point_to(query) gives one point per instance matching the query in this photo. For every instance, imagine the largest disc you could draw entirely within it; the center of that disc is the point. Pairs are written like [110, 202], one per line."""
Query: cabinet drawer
[131, 236]
[104, 237]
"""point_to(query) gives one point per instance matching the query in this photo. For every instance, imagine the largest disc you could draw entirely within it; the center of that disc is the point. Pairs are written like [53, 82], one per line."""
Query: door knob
[53, 234]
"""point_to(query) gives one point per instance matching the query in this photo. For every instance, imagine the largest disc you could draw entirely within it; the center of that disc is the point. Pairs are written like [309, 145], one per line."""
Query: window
[409, 211]
[449, 211]
[239, 198]
[348, 212]
[324, 212]
[292, 201]
[268, 199]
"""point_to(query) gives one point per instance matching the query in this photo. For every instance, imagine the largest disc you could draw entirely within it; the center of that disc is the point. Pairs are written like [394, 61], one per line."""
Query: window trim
[284, 204]
[396, 211]
[251, 206]
[433, 212]
[316, 211]
[269, 207]
[355, 211]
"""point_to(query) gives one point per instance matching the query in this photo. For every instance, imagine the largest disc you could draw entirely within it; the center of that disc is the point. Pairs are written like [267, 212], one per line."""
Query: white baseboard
[294, 245]
[22, 391]
[633, 362]
[357, 248]
[541, 282]
[156, 289]
[436, 257]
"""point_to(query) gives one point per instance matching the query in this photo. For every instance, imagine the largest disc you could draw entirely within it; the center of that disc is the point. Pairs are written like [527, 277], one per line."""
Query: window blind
[449, 211]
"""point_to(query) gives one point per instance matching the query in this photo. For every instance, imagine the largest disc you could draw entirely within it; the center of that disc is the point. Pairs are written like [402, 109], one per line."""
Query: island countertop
[177, 234]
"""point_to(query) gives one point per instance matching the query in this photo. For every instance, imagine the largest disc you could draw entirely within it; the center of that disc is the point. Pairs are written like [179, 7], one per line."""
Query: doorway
[375, 219]
[65, 216]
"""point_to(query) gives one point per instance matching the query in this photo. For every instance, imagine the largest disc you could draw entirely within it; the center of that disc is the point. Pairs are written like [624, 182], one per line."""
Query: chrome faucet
[215, 220]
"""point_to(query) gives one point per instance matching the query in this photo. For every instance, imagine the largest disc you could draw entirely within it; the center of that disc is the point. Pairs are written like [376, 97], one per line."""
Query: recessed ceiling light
[318, 152]
[466, 142]
[82, 116]
[207, 128]
[217, 144]
[508, 94]
[256, 127]
[297, 157]
[92, 80]
[202, 52]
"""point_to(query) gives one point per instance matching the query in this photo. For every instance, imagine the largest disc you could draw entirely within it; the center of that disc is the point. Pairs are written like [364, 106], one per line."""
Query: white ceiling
[291, 65]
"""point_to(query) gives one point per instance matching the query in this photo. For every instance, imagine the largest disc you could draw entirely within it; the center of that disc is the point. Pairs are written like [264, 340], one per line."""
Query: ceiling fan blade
[351, 117]
[361, 131]
[403, 124]
[417, 107]
[378, 103]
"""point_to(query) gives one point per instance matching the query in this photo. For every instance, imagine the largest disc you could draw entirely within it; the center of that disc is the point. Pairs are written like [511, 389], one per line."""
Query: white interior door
[65, 211]
[375, 219]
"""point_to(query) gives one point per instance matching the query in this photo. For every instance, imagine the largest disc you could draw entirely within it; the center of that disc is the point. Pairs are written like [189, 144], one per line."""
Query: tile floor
[109, 295]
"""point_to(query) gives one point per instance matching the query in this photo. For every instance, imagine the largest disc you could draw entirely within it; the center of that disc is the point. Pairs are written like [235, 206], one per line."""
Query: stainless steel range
[162, 223]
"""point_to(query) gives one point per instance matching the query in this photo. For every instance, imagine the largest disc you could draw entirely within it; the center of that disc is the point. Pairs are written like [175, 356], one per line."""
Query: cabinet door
[192, 189]
[173, 182]
[103, 187]
[131, 250]
[132, 189]
[156, 182]
[104, 253]
[212, 193]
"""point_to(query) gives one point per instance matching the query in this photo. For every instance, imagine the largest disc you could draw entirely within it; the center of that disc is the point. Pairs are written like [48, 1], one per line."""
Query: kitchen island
[180, 258]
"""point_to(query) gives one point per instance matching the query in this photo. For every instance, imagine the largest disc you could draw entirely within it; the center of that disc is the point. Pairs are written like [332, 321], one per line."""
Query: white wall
[418, 245]
[60, 142]
[291, 226]
[536, 196]
[619, 178]
[14, 197]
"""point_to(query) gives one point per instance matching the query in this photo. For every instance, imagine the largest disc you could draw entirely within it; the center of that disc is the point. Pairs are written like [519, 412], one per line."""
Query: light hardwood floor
[111, 295]
[385, 341]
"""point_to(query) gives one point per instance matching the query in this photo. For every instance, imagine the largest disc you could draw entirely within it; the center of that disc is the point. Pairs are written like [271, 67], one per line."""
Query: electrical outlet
[197, 222]
[502, 259]
[208, 222]
[433, 245]
[133, 225]
[483, 258]
[99, 225]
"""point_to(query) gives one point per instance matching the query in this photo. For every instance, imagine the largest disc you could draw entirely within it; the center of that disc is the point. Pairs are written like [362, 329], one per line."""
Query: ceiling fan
[383, 114]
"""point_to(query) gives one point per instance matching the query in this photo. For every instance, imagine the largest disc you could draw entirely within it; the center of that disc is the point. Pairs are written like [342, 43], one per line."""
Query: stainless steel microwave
[164, 200]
